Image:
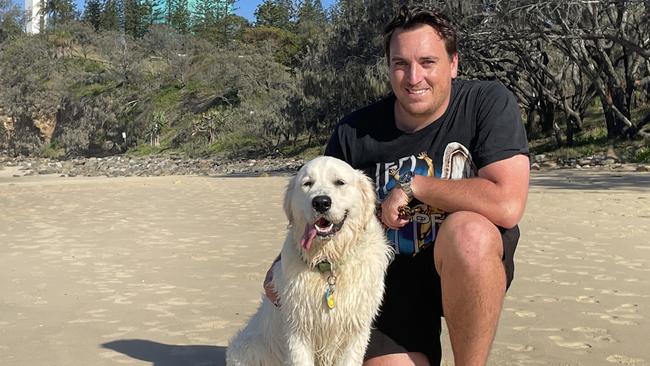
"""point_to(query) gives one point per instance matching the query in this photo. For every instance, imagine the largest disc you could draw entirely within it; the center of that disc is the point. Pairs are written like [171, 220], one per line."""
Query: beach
[164, 270]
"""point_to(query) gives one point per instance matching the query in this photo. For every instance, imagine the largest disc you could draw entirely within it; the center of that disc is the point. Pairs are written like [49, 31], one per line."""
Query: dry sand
[162, 271]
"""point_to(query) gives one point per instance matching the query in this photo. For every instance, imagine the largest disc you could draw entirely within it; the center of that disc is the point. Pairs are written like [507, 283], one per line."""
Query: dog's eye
[307, 183]
[339, 182]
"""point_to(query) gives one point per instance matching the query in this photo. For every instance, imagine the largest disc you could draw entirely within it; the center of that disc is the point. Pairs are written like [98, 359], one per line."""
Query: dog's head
[329, 200]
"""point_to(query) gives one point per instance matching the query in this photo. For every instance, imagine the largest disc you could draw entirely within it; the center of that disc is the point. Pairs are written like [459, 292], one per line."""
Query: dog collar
[326, 267]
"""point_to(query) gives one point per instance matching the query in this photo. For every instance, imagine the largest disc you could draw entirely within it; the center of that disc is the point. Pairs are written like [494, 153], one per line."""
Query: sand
[163, 271]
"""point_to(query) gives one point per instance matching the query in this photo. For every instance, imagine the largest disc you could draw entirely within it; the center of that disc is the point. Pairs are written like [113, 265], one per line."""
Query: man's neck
[410, 123]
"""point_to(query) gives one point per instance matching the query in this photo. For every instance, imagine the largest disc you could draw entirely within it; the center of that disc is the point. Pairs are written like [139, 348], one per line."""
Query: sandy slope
[162, 271]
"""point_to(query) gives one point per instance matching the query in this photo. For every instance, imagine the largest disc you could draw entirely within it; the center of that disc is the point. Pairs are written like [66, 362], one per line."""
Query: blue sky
[245, 8]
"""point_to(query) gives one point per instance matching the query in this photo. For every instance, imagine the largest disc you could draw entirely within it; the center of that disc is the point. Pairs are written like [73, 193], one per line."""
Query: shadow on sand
[160, 354]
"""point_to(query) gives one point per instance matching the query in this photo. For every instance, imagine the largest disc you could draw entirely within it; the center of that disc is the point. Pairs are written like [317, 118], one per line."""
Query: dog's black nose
[321, 203]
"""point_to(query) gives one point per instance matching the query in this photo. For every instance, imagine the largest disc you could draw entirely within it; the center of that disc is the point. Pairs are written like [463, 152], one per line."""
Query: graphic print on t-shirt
[455, 163]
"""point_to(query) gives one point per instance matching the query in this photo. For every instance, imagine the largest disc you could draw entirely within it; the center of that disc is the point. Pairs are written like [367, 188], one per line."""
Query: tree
[109, 18]
[12, 20]
[178, 15]
[608, 41]
[93, 14]
[31, 96]
[275, 13]
[59, 11]
[136, 17]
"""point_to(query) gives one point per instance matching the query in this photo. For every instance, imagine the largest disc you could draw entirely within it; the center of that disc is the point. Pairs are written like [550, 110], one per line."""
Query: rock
[643, 168]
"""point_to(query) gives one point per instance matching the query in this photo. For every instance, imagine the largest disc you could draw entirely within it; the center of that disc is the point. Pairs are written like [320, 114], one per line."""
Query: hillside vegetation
[209, 82]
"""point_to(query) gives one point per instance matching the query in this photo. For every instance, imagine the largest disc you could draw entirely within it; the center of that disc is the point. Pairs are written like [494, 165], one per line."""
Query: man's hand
[269, 288]
[390, 208]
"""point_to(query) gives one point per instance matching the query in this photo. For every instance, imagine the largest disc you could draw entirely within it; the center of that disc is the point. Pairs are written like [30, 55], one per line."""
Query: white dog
[331, 276]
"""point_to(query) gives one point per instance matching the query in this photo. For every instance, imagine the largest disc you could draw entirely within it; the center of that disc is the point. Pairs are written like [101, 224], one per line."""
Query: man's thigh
[409, 318]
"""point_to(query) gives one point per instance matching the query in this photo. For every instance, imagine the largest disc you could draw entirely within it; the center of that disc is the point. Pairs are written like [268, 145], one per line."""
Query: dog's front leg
[354, 352]
[300, 351]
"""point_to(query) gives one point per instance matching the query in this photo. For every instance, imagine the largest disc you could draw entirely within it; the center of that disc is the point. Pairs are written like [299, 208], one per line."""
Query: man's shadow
[160, 354]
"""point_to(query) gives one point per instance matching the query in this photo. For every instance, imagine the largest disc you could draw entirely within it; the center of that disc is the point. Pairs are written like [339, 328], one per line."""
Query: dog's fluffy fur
[303, 330]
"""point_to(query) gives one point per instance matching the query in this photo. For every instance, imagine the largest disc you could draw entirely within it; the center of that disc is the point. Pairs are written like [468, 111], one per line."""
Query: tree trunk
[547, 115]
[532, 123]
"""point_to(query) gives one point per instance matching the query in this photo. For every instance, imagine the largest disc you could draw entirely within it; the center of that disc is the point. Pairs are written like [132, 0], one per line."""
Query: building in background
[35, 20]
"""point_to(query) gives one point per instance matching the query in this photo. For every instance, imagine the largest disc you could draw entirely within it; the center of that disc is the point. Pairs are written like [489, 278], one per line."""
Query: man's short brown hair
[411, 16]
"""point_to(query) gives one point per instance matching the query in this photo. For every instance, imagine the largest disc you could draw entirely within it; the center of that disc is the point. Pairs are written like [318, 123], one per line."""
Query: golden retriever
[330, 278]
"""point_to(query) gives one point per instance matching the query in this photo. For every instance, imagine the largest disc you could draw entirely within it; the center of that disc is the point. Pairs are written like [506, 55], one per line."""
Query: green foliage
[12, 20]
[144, 150]
[209, 82]
[642, 155]
[178, 15]
[108, 20]
[59, 12]
[275, 13]
[93, 14]
[51, 151]
[238, 144]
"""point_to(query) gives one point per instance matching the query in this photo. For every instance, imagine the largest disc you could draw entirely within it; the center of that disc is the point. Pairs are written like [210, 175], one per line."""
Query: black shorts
[409, 318]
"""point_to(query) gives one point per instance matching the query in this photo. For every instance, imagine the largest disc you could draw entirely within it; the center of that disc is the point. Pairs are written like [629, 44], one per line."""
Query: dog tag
[329, 297]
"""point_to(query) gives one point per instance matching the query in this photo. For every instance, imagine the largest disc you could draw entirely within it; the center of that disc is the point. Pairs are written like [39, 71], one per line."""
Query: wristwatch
[405, 181]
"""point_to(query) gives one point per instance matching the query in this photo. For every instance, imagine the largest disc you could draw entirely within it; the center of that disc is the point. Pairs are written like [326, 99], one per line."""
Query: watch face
[406, 177]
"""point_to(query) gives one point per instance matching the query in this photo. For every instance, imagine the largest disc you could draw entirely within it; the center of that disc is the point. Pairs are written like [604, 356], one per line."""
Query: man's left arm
[499, 193]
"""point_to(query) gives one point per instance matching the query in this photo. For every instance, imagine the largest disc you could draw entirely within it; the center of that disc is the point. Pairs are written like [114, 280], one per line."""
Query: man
[455, 238]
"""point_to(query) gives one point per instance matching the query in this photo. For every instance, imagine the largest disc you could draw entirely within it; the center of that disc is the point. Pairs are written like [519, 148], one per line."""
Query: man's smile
[418, 91]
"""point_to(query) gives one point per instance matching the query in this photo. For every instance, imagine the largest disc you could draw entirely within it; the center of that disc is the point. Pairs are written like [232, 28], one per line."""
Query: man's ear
[287, 199]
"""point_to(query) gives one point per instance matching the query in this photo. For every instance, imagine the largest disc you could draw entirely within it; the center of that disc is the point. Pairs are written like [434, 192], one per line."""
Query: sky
[245, 8]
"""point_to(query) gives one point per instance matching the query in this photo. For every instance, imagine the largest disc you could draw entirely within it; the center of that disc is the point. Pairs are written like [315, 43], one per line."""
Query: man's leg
[468, 257]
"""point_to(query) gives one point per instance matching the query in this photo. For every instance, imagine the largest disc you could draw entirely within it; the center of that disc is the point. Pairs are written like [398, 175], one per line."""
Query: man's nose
[414, 74]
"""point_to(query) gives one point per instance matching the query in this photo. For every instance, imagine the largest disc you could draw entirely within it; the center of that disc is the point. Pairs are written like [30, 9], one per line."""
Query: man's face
[420, 75]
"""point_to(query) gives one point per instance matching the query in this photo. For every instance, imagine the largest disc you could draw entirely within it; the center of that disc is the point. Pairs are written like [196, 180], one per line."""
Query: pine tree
[275, 13]
[135, 18]
[179, 16]
[59, 11]
[93, 13]
[108, 19]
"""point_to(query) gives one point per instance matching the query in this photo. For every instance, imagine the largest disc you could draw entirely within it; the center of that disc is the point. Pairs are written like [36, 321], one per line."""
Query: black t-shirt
[481, 125]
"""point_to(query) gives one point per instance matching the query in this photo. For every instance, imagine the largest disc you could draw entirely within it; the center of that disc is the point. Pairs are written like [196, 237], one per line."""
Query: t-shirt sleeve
[500, 133]
[334, 147]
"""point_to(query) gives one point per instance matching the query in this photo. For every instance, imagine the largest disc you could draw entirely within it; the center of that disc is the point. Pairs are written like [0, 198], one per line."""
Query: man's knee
[467, 239]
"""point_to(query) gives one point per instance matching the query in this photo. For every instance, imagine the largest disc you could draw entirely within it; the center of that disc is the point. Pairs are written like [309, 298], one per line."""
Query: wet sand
[163, 271]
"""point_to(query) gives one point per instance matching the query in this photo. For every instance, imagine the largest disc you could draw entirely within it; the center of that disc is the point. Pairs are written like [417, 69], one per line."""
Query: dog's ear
[368, 195]
[287, 199]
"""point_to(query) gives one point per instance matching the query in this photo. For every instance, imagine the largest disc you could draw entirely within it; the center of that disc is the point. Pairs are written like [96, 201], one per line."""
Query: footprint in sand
[602, 277]
[560, 341]
[597, 334]
[519, 347]
[625, 360]
[525, 314]
[587, 300]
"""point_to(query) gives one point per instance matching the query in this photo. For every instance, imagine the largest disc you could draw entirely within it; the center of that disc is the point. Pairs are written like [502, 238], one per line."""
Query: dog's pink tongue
[308, 236]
